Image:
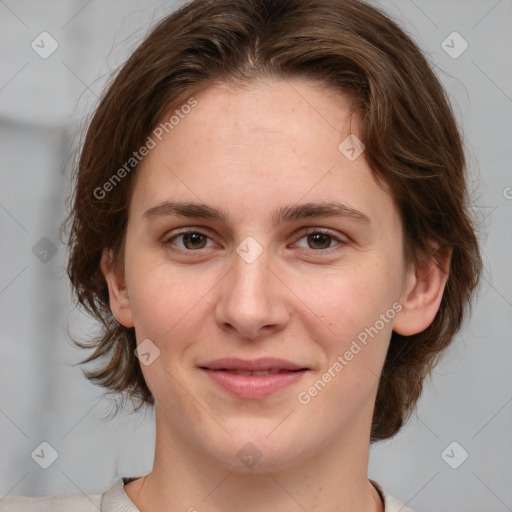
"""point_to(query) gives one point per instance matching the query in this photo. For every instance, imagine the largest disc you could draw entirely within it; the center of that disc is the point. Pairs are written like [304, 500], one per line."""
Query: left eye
[319, 240]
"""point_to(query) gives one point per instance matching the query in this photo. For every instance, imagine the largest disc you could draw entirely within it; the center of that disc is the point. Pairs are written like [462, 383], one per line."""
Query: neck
[333, 480]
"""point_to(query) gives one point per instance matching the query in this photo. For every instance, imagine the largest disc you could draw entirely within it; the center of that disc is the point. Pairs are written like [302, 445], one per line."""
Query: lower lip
[254, 386]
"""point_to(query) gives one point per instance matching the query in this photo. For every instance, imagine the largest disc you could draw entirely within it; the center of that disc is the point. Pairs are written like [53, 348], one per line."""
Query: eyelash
[340, 243]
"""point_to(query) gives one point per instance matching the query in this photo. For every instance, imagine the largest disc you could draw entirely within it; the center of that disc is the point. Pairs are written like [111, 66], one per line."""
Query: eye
[190, 240]
[320, 240]
[194, 240]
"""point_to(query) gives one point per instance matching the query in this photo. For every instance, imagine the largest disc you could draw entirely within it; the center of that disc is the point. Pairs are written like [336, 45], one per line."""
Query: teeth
[271, 371]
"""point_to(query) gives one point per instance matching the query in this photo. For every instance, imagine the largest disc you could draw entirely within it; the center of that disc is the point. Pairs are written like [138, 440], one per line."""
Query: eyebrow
[283, 214]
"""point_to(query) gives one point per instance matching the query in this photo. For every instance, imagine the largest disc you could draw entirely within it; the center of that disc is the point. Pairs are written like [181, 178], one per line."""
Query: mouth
[270, 371]
[253, 379]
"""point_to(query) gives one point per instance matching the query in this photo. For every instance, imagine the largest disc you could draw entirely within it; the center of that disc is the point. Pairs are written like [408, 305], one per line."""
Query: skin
[250, 151]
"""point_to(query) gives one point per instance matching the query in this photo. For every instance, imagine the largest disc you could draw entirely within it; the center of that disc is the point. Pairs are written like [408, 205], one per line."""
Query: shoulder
[89, 503]
[391, 503]
[113, 500]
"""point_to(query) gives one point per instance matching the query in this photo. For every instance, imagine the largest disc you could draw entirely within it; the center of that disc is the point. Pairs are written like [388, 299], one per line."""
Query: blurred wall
[49, 83]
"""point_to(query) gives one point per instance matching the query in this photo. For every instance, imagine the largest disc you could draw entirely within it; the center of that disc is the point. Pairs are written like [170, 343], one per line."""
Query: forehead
[255, 148]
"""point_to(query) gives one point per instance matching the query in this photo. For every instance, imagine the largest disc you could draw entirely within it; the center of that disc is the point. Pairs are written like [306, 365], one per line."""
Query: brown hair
[413, 146]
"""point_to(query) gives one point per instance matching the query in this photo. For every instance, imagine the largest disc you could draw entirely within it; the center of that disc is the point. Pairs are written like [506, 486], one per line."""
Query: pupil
[320, 239]
[194, 239]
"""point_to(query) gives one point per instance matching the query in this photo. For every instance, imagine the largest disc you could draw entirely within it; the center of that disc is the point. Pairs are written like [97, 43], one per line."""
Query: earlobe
[118, 294]
[423, 292]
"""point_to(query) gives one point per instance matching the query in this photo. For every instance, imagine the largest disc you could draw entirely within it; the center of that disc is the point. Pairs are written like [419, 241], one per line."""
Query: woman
[270, 219]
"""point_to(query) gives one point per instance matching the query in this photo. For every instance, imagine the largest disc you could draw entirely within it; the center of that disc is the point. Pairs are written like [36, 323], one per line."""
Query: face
[268, 311]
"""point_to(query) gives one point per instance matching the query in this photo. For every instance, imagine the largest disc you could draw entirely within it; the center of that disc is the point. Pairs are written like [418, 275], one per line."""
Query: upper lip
[263, 363]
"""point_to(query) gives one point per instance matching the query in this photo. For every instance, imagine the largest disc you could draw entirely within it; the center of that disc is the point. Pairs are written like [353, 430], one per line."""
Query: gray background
[43, 397]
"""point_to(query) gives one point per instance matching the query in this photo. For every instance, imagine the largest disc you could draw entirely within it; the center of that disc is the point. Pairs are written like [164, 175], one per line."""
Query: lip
[252, 387]
[260, 364]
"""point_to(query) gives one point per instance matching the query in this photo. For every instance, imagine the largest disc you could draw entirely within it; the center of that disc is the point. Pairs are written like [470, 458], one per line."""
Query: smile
[253, 379]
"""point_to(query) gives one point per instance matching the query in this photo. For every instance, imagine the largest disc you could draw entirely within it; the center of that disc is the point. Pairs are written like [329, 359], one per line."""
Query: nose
[252, 301]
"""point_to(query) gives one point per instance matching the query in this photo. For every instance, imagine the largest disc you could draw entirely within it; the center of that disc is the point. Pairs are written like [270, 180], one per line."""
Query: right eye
[190, 240]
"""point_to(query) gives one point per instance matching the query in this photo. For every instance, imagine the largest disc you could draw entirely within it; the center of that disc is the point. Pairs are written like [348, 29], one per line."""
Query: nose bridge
[249, 298]
[250, 280]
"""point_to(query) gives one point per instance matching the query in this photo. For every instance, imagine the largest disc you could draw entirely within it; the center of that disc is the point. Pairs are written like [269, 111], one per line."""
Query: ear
[423, 291]
[118, 293]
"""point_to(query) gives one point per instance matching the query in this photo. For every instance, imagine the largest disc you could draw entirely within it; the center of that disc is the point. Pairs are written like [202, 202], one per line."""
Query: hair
[412, 146]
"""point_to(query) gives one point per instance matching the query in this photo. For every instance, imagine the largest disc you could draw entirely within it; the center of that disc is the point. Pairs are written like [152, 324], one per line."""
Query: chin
[257, 453]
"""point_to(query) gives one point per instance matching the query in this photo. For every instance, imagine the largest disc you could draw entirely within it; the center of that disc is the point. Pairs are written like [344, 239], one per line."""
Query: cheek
[358, 310]
[349, 300]
[161, 294]
[169, 306]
